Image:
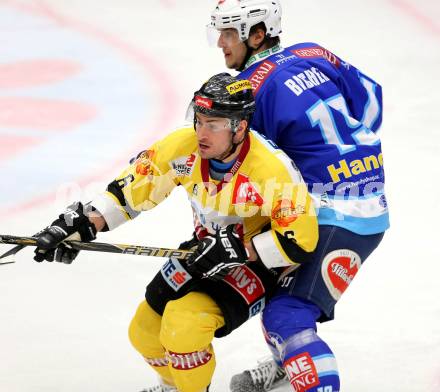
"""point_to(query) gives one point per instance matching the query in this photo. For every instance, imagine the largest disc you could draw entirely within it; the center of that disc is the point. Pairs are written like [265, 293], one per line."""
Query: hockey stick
[94, 247]
[9, 256]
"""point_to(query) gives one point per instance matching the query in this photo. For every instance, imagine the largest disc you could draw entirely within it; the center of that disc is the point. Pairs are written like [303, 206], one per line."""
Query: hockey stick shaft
[104, 247]
[9, 256]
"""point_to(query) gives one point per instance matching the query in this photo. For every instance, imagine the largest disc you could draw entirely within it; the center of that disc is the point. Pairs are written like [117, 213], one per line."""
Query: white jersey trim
[267, 249]
[325, 364]
[112, 213]
[358, 208]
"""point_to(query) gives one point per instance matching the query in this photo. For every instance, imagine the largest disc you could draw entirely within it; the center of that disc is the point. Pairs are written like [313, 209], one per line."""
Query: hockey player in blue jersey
[325, 114]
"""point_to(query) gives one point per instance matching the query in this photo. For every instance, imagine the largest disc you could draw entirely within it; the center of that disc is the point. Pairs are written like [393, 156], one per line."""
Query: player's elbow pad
[295, 253]
[116, 190]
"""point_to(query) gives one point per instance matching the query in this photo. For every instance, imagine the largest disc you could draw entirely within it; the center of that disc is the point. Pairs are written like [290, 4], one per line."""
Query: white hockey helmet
[243, 14]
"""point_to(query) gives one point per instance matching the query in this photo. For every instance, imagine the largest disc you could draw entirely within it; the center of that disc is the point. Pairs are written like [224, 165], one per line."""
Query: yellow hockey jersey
[263, 194]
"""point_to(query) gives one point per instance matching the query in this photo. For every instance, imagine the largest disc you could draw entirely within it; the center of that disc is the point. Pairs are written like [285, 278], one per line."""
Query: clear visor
[224, 37]
[189, 116]
[213, 124]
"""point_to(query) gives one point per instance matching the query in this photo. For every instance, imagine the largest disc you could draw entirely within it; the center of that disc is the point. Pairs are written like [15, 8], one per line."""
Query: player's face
[213, 135]
[234, 50]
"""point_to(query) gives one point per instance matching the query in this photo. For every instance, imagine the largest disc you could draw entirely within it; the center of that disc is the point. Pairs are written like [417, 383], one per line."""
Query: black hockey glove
[191, 244]
[217, 254]
[72, 224]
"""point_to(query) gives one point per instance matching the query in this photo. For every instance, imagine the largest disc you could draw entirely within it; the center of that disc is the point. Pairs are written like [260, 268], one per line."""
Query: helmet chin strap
[232, 149]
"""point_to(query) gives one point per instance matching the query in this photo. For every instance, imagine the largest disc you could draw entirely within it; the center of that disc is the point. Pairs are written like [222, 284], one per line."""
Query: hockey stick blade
[11, 252]
[9, 256]
[7, 260]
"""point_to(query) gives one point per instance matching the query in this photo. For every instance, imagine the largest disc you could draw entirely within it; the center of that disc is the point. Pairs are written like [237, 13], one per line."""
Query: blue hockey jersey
[325, 114]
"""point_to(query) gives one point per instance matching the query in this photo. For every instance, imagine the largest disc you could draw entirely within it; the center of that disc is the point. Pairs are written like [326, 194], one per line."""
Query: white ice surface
[64, 328]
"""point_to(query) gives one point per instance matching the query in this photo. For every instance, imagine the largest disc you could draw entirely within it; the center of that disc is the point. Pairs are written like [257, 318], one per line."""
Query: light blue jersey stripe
[363, 226]
[323, 374]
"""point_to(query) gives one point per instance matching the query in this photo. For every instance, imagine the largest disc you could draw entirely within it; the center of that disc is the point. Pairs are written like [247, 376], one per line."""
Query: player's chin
[230, 62]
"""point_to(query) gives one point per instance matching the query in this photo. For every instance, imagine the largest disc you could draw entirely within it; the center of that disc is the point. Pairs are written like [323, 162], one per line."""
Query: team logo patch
[285, 212]
[260, 75]
[247, 283]
[245, 192]
[339, 269]
[301, 372]
[317, 51]
[239, 86]
[143, 162]
[174, 274]
[183, 166]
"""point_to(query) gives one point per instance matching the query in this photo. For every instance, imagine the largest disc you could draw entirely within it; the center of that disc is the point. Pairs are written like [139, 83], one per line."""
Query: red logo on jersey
[143, 162]
[246, 282]
[260, 75]
[285, 212]
[190, 160]
[339, 269]
[203, 102]
[301, 372]
[179, 277]
[245, 192]
[316, 52]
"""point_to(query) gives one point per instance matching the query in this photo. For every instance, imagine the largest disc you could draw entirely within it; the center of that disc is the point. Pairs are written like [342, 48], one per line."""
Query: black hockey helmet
[225, 96]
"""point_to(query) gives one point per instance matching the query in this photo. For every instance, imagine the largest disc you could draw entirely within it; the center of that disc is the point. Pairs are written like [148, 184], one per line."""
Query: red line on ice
[31, 73]
[162, 121]
[43, 114]
[423, 20]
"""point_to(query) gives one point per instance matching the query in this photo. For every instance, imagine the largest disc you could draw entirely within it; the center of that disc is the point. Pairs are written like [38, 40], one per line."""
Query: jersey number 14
[321, 114]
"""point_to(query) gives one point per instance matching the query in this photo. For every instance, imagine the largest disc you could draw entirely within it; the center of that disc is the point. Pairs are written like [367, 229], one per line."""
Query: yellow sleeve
[294, 226]
[145, 183]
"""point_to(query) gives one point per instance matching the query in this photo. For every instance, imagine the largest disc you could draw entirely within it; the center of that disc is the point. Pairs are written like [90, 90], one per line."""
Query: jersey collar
[210, 187]
[264, 54]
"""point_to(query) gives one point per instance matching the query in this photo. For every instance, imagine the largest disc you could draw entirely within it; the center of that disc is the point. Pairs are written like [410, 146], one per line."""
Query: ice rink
[85, 85]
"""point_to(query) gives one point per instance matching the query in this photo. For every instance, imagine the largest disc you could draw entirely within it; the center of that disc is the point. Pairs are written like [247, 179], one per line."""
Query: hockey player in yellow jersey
[253, 220]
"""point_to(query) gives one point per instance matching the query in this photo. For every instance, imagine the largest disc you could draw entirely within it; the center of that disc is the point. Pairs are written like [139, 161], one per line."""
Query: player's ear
[241, 129]
[256, 37]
